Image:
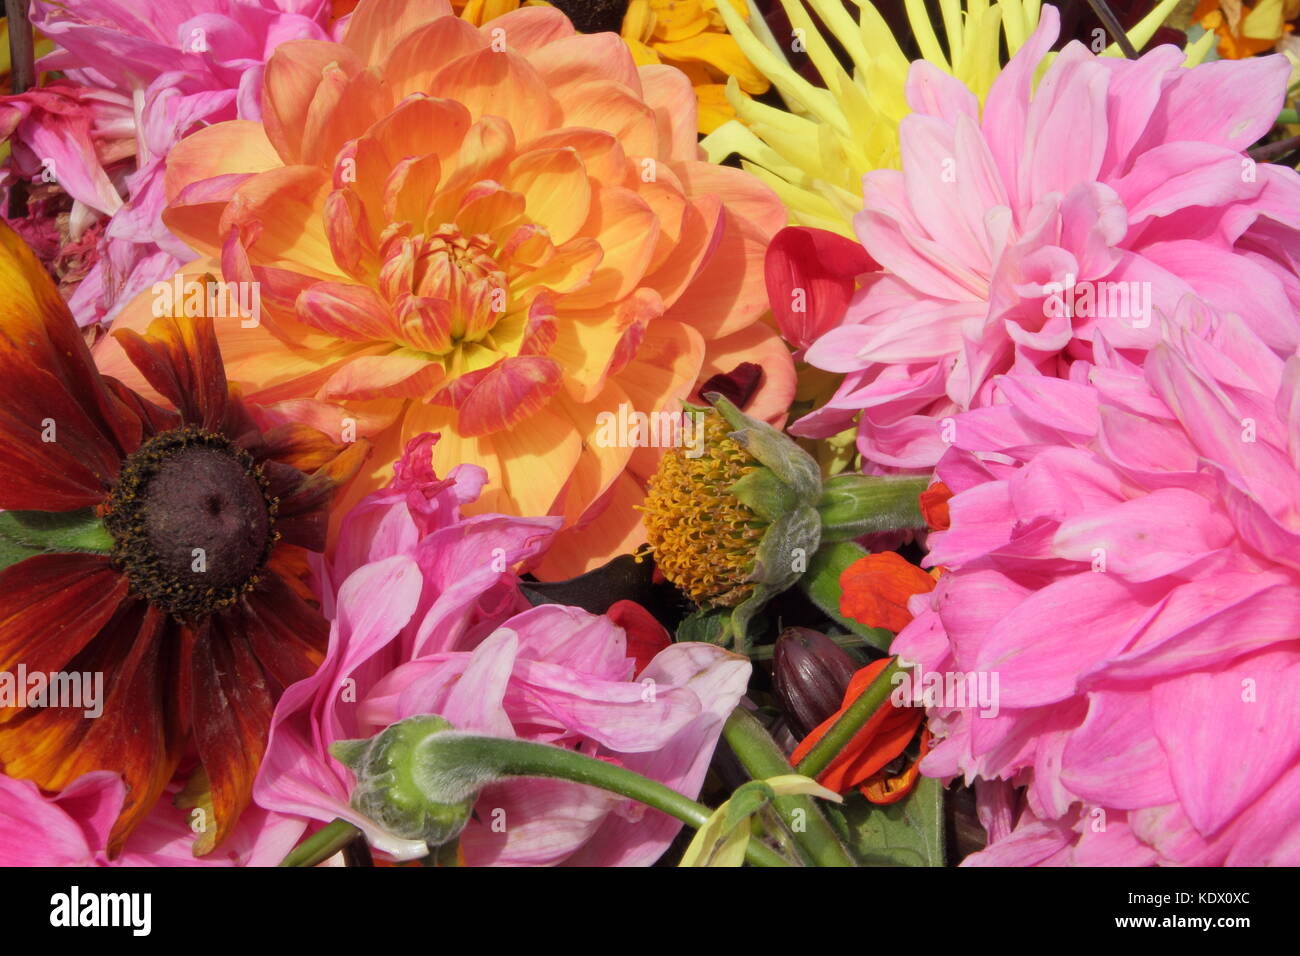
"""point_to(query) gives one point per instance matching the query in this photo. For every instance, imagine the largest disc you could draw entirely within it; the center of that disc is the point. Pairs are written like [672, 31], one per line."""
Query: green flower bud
[395, 781]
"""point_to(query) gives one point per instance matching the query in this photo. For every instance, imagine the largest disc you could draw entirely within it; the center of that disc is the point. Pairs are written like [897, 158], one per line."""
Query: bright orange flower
[503, 234]
[874, 590]
[879, 741]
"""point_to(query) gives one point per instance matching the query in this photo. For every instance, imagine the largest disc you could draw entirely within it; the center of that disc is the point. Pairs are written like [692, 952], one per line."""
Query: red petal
[286, 633]
[37, 332]
[51, 606]
[180, 358]
[810, 278]
[231, 716]
[883, 737]
[646, 637]
[874, 590]
[55, 745]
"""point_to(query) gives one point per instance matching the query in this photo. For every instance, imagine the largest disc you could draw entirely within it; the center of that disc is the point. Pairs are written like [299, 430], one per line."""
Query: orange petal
[501, 84]
[378, 25]
[293, 75]
[934, 506]
[418, 56]
[875, 590]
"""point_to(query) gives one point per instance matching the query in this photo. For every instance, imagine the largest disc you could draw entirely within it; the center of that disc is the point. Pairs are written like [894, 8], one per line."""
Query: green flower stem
[466, 762]
[844, 729]
[322, 844]
[762, 758]
[852, 505]
[497, 757]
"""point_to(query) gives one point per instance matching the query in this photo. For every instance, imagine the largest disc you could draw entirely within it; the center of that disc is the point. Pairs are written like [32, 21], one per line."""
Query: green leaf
[707, 626]
[821, 583]
[907, 833]
[24, 534]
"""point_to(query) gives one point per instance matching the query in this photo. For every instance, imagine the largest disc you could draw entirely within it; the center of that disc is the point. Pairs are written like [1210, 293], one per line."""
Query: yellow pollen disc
[704, 538]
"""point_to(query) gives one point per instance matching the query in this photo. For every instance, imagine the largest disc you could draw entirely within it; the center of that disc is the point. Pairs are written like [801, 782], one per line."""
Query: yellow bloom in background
[1246, 30]
[815, 152]
[692, 36]
[479, 12]
[688, 34]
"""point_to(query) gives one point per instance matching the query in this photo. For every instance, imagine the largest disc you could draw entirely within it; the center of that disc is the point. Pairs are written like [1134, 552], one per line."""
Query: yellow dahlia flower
[506, 234]
[687, 34]
[692, 36]
[815, 153]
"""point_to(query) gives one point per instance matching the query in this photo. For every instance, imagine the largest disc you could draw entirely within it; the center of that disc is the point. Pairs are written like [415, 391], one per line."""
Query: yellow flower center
[446, 271]
[703, 538]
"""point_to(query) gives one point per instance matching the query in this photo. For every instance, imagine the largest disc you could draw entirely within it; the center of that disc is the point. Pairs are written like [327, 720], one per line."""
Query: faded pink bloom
[428, 618]
[1016, 234]
[71, 828]
[1124, 554]
[138, 79]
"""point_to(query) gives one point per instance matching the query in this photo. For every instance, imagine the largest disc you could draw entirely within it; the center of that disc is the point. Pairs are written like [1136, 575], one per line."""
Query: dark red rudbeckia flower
[193, 606]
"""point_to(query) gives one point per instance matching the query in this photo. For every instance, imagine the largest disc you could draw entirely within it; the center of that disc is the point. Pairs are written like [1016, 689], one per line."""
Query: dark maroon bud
[810, 674]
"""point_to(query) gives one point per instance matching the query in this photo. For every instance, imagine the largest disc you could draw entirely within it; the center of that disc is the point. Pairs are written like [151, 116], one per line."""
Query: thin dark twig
[1112, 25]
[22, 49]
[22, 74]
[1271, 151]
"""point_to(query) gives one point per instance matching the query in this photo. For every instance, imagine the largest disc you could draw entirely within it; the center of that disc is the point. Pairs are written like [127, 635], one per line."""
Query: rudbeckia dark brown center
[192, 521]
[594, 16]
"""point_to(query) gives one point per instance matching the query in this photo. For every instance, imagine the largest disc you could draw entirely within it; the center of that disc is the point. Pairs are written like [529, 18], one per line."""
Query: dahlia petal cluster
[428, 618]
[1124, 552]
[1019, 231]
[495, 233]
[136, 82]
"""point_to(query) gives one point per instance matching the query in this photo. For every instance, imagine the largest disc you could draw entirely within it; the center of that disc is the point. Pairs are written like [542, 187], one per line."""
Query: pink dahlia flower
[1128, 564]
[428, 618]
[1016, 234]
[137, 81]
[72, 828]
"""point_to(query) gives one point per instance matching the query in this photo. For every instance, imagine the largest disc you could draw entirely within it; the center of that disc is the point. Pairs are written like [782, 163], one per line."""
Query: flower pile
[446, 433]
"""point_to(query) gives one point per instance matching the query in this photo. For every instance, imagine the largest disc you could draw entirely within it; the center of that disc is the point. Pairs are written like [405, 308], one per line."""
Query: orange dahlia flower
[505, 234]
[182, 590]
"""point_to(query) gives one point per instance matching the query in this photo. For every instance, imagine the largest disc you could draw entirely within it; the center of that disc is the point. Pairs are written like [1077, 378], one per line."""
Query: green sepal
[764, 494]
[782, 557]
[350, 753]
[854, 505]
[24, 534]
[822, 585]
[772, 448]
